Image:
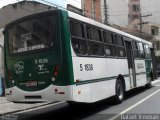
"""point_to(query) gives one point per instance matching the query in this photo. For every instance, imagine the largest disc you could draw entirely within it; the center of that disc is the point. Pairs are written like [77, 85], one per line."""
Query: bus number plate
[86, 67]
[31, 83]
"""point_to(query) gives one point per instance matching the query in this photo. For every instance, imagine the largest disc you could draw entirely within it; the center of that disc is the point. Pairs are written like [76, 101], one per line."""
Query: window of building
[154, 31]
[155, 45]
[135, 16]
[135, 8]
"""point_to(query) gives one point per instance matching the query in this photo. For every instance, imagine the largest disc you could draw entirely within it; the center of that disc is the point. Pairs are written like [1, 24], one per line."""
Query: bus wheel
[148, 85]
[151, 75]
[119, 92]
[73, 104]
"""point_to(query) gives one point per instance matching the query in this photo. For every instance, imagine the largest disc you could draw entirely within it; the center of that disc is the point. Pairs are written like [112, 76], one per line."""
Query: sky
[62, 3]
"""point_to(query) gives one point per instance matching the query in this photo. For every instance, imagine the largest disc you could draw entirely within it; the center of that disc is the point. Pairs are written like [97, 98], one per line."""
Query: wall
[88, 9]
[151, 7]
[118, 12]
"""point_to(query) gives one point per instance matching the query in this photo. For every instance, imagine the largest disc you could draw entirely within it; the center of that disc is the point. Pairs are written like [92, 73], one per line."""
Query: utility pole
[106, 16]
[93, 9]
[141, 22]
[83, 6]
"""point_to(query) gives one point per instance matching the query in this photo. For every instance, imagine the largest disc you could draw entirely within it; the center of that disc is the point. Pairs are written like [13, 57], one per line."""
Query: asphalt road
[139, 103]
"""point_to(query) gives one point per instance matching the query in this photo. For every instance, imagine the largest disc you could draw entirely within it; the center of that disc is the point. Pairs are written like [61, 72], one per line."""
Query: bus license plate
[31, 83]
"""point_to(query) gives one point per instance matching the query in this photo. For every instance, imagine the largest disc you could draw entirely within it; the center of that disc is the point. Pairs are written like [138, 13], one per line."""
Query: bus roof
[98, 24]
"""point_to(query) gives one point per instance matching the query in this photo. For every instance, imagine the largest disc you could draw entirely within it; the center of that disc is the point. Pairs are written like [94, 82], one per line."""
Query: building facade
[118, 12]
[115, 11]
[92, 9]
[134, 10]
[151, 7]
[154, 30]
[143, 8]
[17, 10]
[143, 17]
[122, 12]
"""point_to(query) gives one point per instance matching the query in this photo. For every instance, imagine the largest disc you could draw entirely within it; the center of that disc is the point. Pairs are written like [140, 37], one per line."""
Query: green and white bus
[62, 56]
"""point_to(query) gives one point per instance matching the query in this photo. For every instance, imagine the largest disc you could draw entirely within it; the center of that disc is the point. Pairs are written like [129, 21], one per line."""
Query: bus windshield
[33, 34]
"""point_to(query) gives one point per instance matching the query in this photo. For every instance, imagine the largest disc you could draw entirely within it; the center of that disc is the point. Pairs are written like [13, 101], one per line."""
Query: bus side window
[108, 37]
[147, 51]
[78, 38]
[141, 50]
[95, 48]
[79, 46]
[107, 51]
[135, 46]
[88, 30]
[95, 44]
[96, 35]
[77, 29]
[120, 46]
[110, 49]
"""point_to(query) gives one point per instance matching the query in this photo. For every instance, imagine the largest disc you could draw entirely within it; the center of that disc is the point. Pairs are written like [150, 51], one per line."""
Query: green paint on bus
[35, 70]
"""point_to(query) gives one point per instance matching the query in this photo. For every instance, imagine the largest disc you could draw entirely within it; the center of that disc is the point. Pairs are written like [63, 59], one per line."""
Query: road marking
[133, 106]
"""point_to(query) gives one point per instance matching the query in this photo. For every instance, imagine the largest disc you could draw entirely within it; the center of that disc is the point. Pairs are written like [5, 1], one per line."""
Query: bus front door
[130, 59]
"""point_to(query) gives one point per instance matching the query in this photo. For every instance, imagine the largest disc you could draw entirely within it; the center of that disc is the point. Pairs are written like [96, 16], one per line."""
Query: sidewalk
[7, 107]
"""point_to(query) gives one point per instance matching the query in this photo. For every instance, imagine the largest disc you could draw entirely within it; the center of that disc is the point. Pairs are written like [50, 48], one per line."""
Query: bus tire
[76, 104]
[151, 75]
[119, 91]
[73, 104]
[148, 85]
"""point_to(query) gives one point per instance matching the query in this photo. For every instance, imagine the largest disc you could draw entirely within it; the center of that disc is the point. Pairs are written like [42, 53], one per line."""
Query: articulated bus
[62, 56]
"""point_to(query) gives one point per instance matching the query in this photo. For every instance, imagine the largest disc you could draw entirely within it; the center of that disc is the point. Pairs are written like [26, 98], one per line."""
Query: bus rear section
[35, 67]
